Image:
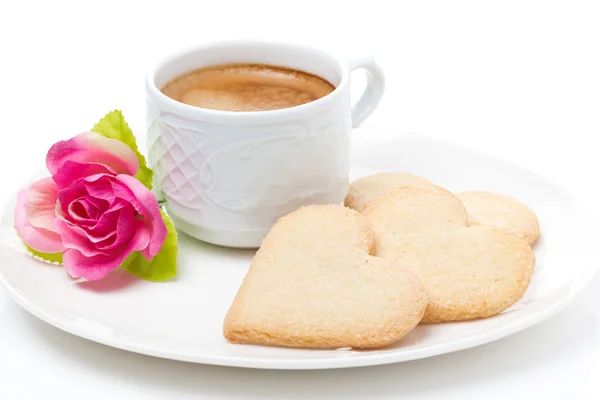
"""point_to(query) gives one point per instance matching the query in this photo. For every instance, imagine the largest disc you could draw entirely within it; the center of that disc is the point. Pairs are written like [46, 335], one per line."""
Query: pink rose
[92, 209]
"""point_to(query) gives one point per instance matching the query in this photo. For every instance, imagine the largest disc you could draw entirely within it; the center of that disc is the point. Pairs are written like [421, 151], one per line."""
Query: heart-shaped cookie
[469, 272]
[364, 189]
[314, 283]
[483, 208]
[492, 209]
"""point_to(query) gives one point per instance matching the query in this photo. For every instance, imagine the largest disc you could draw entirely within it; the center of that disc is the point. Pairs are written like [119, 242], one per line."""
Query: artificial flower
[94, 212]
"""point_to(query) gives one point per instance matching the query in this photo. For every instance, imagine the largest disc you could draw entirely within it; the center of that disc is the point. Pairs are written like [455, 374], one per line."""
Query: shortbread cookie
[484, 208]
[469, 272]
[364, 189]
[314, 283]
[491, 209]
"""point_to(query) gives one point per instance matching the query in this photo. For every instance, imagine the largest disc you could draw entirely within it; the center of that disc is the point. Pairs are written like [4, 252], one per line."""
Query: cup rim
[154, 91]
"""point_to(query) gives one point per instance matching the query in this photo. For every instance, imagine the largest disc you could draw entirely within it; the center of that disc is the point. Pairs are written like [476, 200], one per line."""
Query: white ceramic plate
[182, 319]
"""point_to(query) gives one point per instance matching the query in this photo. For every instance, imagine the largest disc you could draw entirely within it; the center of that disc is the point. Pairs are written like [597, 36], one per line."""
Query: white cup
[228, 176]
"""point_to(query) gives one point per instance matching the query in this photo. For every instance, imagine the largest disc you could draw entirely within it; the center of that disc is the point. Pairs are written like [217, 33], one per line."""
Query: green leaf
[114, 126]
[130, 259]
[52, 257]
[163, 265]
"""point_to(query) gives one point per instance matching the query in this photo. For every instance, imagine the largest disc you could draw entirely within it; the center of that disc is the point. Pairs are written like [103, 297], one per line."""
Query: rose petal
[69, 195]
[124, 228]
[120, 222]
[100, 187]
[100, 204]
[108, 242]
[97, 267]
[87, 232]
[106, 224]
[92, 147]
[95, 189]
[125, 225]
[142, 199]
[40, 239]
[71, 171]
[80, 211]
[74, 237]
[41, 203]
[117, 205]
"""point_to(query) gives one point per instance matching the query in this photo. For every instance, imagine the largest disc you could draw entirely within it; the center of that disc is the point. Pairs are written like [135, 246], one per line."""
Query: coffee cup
[227, 176]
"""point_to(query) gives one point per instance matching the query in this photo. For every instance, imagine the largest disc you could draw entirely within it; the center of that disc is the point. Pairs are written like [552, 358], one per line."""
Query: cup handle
[373, 91]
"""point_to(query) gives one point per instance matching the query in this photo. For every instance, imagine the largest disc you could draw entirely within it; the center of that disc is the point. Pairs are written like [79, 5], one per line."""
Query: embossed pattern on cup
[227, 177]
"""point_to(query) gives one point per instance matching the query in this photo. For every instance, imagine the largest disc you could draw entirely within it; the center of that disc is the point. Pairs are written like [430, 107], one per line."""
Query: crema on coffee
[246, 87]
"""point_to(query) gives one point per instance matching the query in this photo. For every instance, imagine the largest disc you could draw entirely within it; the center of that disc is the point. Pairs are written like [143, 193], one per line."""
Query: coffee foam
[246, 87]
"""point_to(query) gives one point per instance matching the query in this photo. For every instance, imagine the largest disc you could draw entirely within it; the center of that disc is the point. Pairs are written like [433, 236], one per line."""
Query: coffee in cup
[246, 87]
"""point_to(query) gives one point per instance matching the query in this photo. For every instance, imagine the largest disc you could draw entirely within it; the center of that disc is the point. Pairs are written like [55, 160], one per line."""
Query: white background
[518, 79]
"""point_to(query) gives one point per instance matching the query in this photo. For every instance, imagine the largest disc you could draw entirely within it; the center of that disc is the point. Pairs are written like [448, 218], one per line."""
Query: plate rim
[376, 358]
